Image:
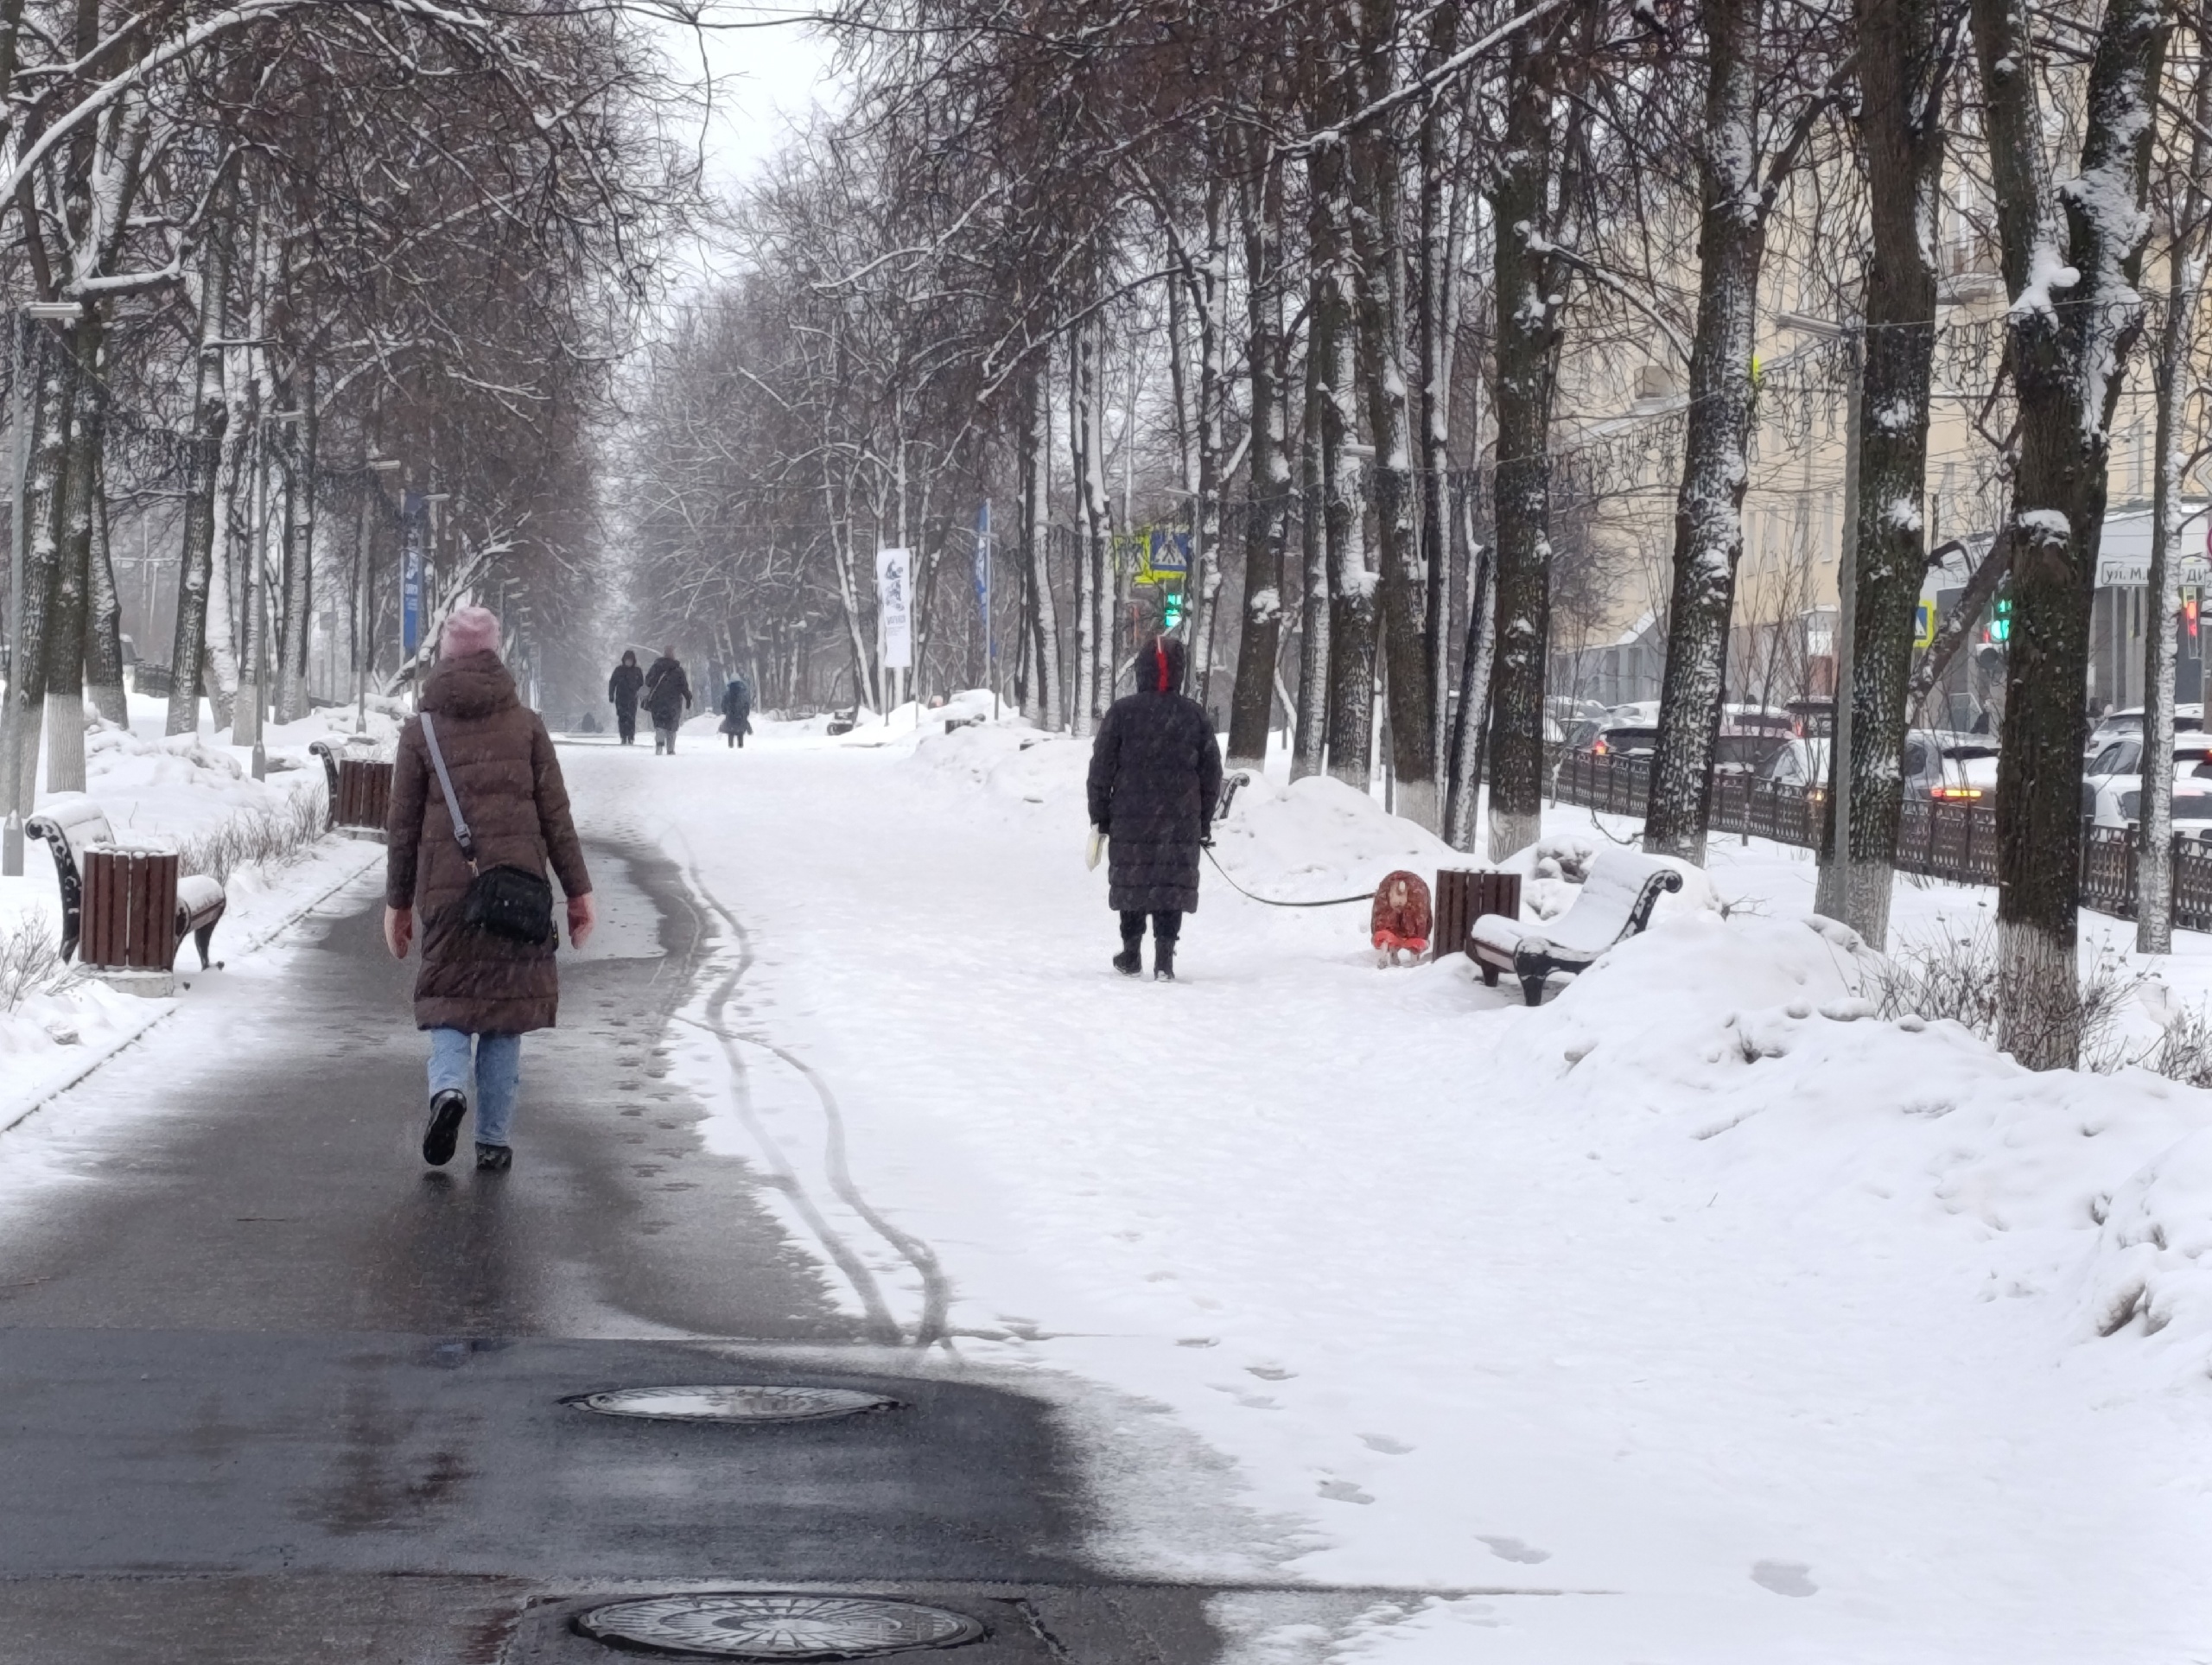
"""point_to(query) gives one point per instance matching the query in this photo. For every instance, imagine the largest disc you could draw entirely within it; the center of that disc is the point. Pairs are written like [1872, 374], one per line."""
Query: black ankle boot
[1131, 961]
[1163, 959]
[494, 1159]
[443, 1131]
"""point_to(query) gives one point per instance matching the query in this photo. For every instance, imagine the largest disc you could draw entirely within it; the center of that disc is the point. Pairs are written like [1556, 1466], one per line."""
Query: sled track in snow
[937, 1295]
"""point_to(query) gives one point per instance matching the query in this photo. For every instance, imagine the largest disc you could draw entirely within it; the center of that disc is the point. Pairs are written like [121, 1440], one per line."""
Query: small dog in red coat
[1401, 920]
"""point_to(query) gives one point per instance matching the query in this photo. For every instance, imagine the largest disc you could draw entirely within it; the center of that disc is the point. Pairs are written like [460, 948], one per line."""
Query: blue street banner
[414, 508]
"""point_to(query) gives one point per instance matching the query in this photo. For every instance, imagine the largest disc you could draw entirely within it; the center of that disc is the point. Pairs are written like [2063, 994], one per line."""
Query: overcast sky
[766, 80]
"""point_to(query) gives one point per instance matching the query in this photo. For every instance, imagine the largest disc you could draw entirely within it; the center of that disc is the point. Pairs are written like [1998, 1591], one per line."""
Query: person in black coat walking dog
[1155, 776]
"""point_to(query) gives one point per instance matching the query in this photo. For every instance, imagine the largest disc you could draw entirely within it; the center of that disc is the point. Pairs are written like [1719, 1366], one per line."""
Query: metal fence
[1956, 843]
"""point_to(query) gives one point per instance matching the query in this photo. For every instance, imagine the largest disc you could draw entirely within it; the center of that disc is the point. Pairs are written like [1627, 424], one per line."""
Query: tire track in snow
[936, 1293]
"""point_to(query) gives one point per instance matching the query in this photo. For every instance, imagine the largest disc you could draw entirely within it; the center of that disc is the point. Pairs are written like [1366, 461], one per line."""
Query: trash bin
[1463, 896]
[127, 931]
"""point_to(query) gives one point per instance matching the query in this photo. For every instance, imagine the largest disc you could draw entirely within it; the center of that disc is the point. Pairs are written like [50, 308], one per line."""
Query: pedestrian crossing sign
[1923, 625]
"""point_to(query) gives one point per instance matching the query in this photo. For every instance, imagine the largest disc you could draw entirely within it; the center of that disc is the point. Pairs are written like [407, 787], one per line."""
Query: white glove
[1095, 849]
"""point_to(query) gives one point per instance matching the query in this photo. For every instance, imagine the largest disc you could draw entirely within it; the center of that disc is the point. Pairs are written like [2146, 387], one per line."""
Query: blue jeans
[496, 1068]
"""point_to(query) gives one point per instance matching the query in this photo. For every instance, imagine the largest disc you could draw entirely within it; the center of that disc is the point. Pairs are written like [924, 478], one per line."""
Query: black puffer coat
[1155, 776]
[668, 690]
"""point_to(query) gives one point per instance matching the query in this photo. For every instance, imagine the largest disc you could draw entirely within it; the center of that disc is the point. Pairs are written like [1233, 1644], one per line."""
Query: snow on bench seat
[1614, 903]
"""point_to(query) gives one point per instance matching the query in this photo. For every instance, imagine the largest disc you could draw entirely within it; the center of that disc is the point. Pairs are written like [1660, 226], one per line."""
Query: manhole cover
[733, 1404]
[778, 1626]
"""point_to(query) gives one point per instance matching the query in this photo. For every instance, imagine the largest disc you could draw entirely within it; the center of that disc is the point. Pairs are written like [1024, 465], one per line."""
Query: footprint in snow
[1512, 1549]
[1383, 1443]
[1343, 1492]
[1269, 1372]
[1784, 1577]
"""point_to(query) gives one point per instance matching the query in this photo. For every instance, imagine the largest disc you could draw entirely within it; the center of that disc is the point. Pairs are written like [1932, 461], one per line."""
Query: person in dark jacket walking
[622, 688]
[668, 690]
[477, 991]
[737, 711]
[1155, 776]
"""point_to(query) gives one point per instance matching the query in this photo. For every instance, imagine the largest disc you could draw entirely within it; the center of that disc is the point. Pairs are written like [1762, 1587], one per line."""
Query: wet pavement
[269, 1391]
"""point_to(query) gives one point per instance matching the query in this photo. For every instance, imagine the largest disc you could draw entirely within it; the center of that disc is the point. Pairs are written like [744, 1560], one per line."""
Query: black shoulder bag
[511, 902]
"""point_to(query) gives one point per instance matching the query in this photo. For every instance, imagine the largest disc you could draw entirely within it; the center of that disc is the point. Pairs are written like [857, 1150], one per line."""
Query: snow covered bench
[72, 828]
[1616, 903]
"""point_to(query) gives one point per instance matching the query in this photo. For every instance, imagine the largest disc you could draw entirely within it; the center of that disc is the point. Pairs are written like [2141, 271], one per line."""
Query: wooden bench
[1616, 903]
[73, 827]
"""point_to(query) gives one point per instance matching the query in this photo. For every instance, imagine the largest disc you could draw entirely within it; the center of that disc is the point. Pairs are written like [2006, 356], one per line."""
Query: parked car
[1799, 763]
[2116, 804]
[2123, 754]
[1749, 719]
[2128, 722]
[1948, 767]
[1621, 740]
[1738, 751]
[1814, 719]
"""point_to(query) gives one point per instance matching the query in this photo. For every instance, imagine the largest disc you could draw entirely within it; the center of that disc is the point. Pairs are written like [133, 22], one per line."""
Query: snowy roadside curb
[128, 1018]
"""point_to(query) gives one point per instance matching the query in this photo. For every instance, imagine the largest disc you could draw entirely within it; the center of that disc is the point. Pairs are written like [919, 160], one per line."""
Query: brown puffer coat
[509, 783]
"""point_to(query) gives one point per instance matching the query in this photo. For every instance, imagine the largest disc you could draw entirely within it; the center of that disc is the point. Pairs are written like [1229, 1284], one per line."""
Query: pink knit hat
[468, 630]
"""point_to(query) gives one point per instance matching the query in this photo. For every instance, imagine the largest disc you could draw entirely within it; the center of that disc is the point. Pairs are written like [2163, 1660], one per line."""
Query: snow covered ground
[187, 788]
[1697, 1316]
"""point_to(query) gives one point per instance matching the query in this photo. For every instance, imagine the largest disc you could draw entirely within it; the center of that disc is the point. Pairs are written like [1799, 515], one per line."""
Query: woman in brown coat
[475, 987]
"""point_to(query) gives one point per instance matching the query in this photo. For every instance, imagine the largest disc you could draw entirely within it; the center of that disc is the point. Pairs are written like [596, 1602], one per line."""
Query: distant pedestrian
[668, 690]
[737, 711]
[488, 975]
[1155, 776]
[622, 688]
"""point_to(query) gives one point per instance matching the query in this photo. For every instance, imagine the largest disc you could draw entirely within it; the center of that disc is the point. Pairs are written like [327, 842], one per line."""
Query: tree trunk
[1708, 510]
[1377, 222]
[104, 626]
[1528, 370]
[1901, 132]
[2067, 352]
[69, 612]
[48, 445]
[1310, 744]
[1352, 583]
[300, 444]
[2169, 368]
[1206, 519]
[1043, 622]
[1259, 639]
[1472, 722]
[1081, 395]
[188, 658]
[1438, 290]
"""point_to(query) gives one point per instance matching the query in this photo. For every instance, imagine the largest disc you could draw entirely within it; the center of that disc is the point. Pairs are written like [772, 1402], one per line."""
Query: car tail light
[1597, 747]
[1954, 794]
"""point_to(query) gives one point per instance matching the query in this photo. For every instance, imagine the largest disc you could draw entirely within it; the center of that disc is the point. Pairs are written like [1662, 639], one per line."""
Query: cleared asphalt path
[271, 1391]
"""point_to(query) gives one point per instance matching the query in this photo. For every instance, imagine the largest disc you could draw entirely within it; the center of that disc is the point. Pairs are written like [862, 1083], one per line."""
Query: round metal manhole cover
[733, 1404]
[778, 1626]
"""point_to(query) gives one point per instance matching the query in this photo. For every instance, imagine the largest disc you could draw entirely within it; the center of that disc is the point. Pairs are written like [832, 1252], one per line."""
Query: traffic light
[2191, 597]
[2001, 620]
[1171, 608]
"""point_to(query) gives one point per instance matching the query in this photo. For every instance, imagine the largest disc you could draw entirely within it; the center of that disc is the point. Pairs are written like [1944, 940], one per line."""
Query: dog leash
[1270, 901]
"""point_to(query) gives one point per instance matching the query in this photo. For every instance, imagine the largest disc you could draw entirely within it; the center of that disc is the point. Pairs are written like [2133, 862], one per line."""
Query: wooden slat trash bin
[127, 932]
[361, 790]
[1463, 896]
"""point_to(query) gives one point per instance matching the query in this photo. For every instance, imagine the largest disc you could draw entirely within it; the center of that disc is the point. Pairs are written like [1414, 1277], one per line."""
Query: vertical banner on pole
[414, 508]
